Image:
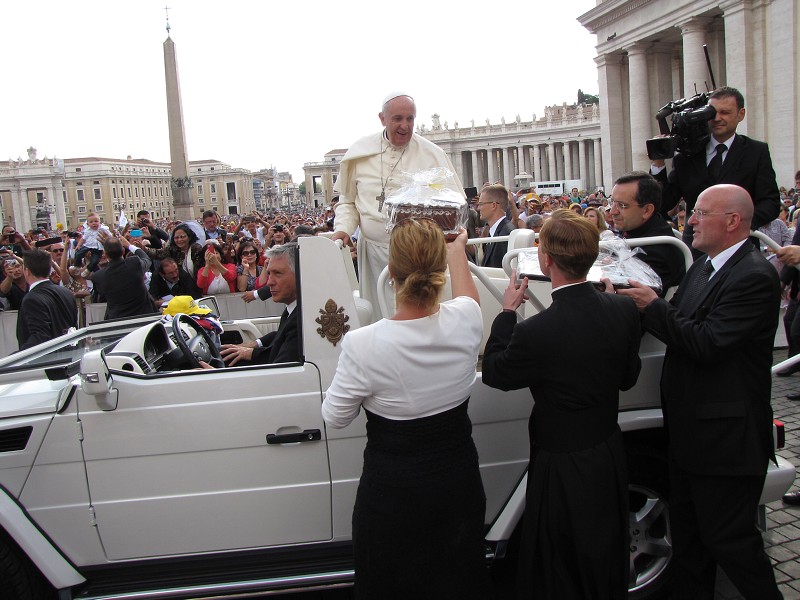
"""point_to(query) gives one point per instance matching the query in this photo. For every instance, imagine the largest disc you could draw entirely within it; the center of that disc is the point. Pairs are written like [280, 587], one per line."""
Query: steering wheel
[200, 347]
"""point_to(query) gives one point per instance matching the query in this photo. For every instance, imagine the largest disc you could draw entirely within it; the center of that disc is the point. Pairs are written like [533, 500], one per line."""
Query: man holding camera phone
[14, 240]
[728, 158]
[150, 232]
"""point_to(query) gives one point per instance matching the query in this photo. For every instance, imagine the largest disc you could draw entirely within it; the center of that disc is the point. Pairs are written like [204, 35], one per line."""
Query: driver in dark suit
[744, 162]
[281, 345]
[715, 390]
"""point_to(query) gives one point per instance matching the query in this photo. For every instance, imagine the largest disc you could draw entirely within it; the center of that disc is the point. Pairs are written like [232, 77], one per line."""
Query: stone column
[598, 164]
[476, 174]
[465, 160]
[639, 105]
[455, 158]
[521, 160]
[508, 159]
[528, 166]
[567, 150]
[739, 66]
[537, 163]
[582, 174]
[491, 164]
[22, 211]
[677, 78]
[661, 90]
[551, 158]
[695, 71]
[611, 117]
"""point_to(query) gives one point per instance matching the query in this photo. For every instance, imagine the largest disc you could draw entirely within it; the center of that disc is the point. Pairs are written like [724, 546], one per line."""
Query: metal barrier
[231, 306]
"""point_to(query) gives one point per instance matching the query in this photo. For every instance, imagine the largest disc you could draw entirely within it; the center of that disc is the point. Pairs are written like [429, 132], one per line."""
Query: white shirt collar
[291, 306]
[566, 285]
[493, 228]
[35, 283]
[720, 259]
[711, 147]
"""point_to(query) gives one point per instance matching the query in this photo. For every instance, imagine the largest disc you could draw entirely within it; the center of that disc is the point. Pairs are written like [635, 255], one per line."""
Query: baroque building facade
[564, 145]
[43, 193]
[650, 52]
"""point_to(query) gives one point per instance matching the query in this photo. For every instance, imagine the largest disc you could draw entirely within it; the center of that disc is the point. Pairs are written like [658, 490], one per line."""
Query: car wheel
[18, 579]
[650, 574]
[650, 541]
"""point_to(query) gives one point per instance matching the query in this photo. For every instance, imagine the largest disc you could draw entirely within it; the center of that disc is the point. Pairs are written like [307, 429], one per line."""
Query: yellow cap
[186, 305]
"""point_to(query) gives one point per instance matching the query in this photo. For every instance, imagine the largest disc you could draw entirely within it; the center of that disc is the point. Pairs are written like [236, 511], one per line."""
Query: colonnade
[578, 159]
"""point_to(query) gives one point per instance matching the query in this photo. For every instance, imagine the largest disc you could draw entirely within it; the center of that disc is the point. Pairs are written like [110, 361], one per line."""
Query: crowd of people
[216, 255]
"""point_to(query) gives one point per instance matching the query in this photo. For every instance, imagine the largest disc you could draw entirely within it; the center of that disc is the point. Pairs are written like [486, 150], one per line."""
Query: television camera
[690, 132]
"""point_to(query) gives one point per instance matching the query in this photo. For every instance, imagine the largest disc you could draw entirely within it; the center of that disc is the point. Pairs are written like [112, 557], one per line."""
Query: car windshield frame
[70, 349]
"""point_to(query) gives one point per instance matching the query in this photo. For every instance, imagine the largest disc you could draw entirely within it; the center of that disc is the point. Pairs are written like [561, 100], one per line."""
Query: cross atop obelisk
[166, 10]
[182, 201]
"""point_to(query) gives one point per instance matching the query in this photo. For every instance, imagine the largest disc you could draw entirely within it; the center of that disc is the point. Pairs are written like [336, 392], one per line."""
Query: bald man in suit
[716, 382]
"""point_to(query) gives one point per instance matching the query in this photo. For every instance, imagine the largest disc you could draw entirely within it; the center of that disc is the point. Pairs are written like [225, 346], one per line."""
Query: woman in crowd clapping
[218, 276]
[418, 516]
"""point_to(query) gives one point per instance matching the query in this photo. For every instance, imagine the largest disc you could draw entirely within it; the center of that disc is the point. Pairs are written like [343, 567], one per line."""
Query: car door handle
[309, 435]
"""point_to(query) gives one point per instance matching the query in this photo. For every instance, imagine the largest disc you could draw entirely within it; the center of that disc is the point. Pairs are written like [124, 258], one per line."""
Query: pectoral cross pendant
[381, 199]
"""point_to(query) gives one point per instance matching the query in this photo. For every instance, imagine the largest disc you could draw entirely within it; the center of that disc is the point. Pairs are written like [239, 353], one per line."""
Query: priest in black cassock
[575, 536]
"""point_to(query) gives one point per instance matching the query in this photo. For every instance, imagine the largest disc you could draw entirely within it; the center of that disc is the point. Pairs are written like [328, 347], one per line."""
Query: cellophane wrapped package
[424, 194]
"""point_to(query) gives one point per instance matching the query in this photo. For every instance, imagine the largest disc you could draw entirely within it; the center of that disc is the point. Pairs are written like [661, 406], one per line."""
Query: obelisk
[182, 201]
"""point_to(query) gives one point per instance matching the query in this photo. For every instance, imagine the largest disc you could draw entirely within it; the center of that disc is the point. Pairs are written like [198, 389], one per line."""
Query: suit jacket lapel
[719, 276]
[490, 247]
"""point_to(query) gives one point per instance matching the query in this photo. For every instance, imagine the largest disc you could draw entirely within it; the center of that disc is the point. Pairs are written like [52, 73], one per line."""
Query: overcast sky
[275, 83]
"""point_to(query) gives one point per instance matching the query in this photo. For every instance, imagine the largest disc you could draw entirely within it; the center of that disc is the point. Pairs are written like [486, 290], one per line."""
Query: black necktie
[715, 166]
[697, 284]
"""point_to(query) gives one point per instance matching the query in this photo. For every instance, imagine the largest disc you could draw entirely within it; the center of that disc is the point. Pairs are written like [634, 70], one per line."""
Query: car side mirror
[96, 380]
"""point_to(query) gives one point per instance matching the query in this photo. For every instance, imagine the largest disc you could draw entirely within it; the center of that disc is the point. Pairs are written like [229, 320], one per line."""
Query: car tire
[19, 580]
[649, 526]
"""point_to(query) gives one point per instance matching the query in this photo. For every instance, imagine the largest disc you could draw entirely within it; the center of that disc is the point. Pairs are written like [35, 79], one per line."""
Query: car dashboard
[144, 351]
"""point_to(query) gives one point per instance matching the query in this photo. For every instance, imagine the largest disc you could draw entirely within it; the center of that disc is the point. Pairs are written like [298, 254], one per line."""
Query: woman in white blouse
[418, 517]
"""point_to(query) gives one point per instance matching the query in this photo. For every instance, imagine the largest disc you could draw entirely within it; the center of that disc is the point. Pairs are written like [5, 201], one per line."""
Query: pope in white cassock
[369, 173]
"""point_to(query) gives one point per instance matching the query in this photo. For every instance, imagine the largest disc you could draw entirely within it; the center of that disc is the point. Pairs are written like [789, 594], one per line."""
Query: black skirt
[418, 528]
[575, 531]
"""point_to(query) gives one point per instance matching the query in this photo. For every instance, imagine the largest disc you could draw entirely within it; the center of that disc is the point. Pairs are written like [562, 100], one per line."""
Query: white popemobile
[127, 473]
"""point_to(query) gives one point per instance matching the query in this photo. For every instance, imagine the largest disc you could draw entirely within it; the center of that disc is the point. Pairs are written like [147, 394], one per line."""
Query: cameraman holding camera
[728, 158]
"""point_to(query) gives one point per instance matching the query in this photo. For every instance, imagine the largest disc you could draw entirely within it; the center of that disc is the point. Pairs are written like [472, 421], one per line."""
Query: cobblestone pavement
[782, 538]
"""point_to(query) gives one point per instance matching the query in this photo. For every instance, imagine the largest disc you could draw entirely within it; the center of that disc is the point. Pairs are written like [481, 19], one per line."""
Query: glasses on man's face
[699, 215]
[482, 203]
[621, 205]
[57, 250]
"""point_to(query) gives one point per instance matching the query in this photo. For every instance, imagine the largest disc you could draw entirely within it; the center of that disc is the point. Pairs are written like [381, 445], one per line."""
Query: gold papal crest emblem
[333, 322]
